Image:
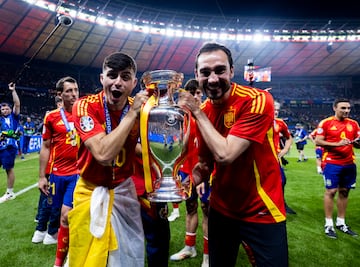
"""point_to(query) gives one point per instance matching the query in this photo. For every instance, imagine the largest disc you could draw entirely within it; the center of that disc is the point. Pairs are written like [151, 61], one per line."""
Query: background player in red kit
[236, 127]
[281, 130]
[60, 143]
[338, 134]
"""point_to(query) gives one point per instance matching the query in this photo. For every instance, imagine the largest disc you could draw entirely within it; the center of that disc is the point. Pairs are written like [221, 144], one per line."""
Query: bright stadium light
[146, 29]
[197, 35]
[188, 34]
[179, 33]
[214, 36]
[170, 32]
[128, 26]
[258, 37]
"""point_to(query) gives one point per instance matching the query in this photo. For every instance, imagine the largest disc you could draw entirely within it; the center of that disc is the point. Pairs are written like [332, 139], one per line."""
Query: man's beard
[213, 94]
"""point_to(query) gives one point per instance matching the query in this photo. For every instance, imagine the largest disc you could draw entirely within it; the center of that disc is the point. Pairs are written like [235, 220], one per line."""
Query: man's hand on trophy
[188, 102]
[140, 98]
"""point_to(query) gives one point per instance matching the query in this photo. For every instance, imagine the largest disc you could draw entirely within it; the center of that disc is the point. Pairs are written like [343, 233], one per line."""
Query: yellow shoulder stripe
[259, 98]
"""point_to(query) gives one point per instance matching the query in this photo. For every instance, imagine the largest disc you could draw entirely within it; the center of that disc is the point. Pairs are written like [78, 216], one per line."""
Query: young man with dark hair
[105, 224]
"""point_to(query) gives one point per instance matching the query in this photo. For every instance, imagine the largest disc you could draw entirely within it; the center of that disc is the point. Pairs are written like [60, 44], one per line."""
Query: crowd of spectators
[36, 84]
[315, 89]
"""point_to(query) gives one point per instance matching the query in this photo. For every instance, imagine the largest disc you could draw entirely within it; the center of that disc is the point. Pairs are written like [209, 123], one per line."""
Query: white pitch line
[22, 191]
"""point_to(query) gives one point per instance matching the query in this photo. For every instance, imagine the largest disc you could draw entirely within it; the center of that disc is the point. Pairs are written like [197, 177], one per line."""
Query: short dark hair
[210, 47]
[119, 61]
[4, 104]
[339, 100]
[191, 85]
[60, 83]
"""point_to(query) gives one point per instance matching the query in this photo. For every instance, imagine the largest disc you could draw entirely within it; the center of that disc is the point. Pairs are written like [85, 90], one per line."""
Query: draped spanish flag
[91, 251]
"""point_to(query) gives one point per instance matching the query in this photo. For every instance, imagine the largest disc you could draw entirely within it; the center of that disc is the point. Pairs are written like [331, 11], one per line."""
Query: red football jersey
[249, 188]
[333, 130]
[280, 129]
[64, 145]
[89, 115]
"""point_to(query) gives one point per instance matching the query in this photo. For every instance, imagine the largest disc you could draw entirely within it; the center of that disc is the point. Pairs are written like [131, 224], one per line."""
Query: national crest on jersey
[229, 117]
[349, 127]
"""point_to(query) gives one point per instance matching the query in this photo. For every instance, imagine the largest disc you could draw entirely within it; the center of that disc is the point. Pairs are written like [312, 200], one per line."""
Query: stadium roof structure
[169, 39]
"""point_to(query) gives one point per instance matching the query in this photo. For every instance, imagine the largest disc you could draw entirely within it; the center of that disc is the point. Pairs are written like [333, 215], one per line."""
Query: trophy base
[167, 191]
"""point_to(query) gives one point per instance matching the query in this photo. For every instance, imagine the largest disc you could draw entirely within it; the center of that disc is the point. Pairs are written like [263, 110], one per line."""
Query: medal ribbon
[144, 116]
[63, 117]
[108, 126]
[108, 118]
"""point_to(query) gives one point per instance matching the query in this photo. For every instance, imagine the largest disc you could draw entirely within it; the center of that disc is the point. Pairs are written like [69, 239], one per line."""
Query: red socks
[206, 245]
[62, 245]
[190, 239]
[249, 253]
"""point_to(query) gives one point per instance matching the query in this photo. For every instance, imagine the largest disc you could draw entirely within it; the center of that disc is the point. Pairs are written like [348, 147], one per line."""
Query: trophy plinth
[164, 135]
[167, 190]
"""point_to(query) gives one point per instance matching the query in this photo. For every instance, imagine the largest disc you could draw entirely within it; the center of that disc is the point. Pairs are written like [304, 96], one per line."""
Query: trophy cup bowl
[165, 135]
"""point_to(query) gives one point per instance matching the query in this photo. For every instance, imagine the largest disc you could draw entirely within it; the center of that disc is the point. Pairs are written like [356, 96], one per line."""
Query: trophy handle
[184, 185]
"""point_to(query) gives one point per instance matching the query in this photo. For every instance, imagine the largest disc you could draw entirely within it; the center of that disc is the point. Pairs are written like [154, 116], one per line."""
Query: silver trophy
[164, 138]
